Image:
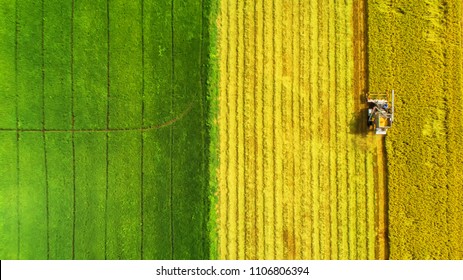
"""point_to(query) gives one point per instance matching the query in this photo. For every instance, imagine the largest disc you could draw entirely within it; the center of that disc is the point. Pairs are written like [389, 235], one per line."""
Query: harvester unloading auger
[380, 112]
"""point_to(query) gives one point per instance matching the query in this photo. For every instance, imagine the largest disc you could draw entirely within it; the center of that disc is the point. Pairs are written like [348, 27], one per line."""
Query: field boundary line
[17, 132]
[72, 135]
[47, 207]
[142, 175]
[108, 95]
[171, 131]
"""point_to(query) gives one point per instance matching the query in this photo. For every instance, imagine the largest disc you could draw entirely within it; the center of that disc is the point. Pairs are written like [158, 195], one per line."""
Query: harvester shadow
[358, 124]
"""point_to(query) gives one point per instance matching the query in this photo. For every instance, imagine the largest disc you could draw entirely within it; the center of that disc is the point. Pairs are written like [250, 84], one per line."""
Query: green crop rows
[103, 129]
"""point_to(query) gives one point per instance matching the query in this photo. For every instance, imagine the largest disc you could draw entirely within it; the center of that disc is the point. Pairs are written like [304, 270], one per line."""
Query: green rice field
[103, 129]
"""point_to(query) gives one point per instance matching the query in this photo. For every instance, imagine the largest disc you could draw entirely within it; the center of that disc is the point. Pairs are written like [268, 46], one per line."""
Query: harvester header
[380, 111]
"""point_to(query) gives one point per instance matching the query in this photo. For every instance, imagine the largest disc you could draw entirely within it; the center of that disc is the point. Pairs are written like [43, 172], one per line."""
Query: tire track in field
[360, 205]
[360, 82]
[371, 207]
[381, 208]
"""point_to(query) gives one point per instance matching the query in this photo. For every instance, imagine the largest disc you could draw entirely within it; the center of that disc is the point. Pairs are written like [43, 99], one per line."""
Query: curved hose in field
[148, 128]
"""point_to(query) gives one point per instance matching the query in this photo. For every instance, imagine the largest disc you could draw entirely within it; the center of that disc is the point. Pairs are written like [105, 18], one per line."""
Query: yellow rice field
[298, 177]
[416, 48]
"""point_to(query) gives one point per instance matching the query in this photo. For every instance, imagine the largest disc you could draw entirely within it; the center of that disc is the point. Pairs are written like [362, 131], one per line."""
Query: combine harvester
[380, 112]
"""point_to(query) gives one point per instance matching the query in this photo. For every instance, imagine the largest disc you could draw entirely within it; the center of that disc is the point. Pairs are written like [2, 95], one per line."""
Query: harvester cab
[380, 112]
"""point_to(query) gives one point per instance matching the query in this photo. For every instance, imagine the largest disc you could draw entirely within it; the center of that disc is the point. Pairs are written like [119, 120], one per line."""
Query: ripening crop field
[298, 176]
[102, 113]
[416, 48]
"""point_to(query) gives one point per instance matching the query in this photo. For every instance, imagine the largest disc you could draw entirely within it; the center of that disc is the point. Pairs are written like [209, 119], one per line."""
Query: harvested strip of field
[103, 137]
[415, 47]
[298, 177]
